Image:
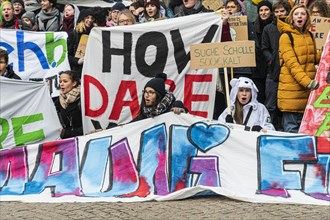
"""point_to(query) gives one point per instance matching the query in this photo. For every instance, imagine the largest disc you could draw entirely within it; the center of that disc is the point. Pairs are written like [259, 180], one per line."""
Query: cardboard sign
[226, 54]
[213, 4]
[320, 28]
[238, 27]
[82, 46]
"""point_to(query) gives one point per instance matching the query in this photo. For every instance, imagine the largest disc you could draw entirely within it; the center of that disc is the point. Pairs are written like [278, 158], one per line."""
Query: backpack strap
[292, 45]
[312, 36]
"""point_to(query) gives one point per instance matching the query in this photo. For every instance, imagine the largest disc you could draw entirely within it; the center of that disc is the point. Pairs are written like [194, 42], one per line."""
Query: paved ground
[212, 207]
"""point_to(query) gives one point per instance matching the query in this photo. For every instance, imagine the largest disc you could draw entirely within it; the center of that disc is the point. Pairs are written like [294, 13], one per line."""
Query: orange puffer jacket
[297, 68]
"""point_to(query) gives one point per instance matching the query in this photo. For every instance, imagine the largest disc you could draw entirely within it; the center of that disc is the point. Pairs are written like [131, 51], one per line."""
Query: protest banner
[170, 157]
[27, 113]
[238, 28]
[127, 57]
[36, 56]
[316, 120]
[320, 28]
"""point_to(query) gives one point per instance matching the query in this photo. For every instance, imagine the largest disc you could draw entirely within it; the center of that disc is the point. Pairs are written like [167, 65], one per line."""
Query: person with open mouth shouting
[9, 21]
[156, 100]
[298, 57]
[19, 8]
[244, 107]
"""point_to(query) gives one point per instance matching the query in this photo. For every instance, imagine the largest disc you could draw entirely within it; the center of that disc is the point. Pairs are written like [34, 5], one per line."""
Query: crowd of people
[271, 96]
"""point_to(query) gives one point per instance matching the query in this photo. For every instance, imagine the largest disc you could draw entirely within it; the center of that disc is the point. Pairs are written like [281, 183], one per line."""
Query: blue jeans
[292, 121]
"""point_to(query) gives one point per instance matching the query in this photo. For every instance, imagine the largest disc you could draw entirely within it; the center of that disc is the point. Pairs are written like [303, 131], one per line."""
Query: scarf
[161, 108]
[194, 10]
[70, 97]
[45, 17]
[68, 23]
[10, 24]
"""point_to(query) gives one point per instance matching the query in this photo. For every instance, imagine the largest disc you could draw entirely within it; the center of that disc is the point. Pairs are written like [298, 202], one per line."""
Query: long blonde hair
[289, 19]
[80, 28]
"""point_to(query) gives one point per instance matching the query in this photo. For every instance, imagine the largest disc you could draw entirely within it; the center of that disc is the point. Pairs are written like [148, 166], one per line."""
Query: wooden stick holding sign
[223, 55]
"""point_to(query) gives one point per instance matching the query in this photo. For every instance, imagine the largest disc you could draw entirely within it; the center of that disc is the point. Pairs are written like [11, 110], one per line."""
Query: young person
[112, 19]
[156, 100]
[29, 21]
[9, 21]
[298, 59]
[85, 23]
[269, 46]
[6, 70]
[68, 105]
[70, 17]
[319, 8]
[245, 108]
[49, 17]
[151, 11]
[125, 17]
[265, 17]
[19, 8]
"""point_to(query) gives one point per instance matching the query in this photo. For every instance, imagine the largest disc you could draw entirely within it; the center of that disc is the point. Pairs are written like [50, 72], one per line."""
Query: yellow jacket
[298, 68]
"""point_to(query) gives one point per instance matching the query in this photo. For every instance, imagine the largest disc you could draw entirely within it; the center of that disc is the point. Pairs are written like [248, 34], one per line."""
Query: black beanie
[84, 13]
[158, 83]
[18, 1]
[264, 3]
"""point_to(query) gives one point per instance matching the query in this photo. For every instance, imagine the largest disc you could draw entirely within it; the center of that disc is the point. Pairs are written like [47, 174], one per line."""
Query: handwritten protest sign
[213, 4]
[226, 54]
[82, 46]
[320, 28]
[238, 27]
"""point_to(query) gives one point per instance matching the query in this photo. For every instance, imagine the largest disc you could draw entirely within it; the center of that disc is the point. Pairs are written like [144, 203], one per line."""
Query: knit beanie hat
[118, 6]
[265, 3]
[153, 2]
[18, 1]
[31, 16]
[85, 13]
[158, 83]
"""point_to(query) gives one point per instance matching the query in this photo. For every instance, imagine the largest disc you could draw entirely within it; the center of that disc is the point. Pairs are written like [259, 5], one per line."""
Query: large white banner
[170, 157]
[27, 113]
[37, 56]
[120, 60]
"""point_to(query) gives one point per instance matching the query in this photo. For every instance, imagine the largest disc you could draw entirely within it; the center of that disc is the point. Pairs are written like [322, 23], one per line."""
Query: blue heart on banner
[205, 137]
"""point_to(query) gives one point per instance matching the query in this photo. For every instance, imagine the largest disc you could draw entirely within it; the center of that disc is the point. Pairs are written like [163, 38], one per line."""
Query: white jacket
[259, 115]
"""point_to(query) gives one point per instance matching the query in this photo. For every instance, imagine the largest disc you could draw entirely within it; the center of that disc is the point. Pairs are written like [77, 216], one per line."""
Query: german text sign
[227, 54]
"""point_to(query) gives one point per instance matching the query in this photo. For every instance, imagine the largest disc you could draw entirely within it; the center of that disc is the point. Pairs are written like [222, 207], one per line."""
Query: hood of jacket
[284, 27]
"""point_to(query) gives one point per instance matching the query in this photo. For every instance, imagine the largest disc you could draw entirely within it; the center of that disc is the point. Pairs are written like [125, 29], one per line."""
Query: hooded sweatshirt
[259, 114]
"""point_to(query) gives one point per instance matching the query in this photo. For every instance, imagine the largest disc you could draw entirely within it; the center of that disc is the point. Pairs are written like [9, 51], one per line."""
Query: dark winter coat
[10, 73]
[269, 46]
[70, 119]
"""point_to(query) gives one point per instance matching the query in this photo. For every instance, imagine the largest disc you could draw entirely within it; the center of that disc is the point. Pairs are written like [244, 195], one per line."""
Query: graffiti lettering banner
[27, 113]
[36, 56]
[120, 60]
[316, 120]
[170, 157]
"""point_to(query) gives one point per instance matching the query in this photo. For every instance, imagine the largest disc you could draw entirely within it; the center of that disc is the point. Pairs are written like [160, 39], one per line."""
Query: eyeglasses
[148, 92]
[125, 21]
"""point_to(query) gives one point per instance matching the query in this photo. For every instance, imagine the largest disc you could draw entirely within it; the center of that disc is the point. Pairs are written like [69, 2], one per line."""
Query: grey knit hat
[31, 16]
